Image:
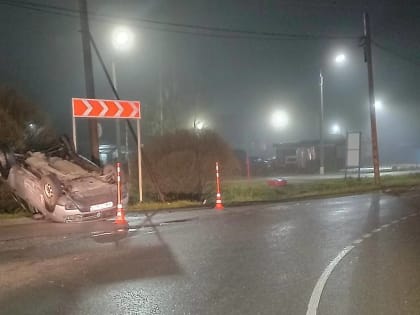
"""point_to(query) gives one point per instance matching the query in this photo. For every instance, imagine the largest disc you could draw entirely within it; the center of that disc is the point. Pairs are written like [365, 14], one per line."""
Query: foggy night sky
[233, 82]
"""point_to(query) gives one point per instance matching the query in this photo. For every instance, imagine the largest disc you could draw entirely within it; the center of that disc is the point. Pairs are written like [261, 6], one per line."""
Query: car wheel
[51, 190]
[110, 173]
[7, 160]
[67, 145]
[38, 216]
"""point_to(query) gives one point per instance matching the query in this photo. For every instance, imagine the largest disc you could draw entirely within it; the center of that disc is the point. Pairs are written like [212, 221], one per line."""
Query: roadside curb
[18, 221]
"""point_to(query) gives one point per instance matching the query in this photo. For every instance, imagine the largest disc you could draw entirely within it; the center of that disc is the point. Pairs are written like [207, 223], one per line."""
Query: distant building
[303, 156]
[107, 153]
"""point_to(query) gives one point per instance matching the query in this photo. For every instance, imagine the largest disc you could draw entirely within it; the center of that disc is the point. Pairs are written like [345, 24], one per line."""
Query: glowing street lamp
[340, 59]
[379, 106]
[198, 124]
[122, 38]
[335, 129]
[279, 119]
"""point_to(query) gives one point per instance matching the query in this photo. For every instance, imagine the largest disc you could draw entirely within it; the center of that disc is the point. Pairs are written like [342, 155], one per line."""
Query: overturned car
[60, 184]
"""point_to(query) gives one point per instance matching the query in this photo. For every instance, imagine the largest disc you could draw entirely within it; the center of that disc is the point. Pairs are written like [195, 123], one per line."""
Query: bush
[184, 161]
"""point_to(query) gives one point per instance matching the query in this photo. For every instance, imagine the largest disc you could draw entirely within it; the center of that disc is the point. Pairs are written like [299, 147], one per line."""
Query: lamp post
[339, 59]
[122, 40]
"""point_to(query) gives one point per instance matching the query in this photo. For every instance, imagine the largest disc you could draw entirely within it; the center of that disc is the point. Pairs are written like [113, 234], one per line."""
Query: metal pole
[360, 154]
[374, 134]
[90, 86]
[74, 134]
[161, 103]
[139, 159]
[321, 125]
[117, 121]
[248, 167]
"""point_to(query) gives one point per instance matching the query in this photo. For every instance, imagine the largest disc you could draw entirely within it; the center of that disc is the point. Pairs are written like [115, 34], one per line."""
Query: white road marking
[320, 284]
[319, 287]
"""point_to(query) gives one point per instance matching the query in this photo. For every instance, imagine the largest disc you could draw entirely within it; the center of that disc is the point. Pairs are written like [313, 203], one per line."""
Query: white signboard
[353, 149]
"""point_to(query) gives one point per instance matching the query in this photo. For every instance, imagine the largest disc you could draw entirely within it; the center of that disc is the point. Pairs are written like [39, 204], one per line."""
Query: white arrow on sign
[104, 108]
[88, 108]
[135, 109]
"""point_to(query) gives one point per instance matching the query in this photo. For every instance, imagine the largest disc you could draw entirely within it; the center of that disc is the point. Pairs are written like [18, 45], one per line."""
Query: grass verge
[251, 191]
[15, 215]
[243, 191]
[151, 206]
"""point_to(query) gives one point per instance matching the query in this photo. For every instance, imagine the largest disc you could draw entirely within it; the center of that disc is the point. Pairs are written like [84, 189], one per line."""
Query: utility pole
[89, 83]
[321, 126]
[367, 41]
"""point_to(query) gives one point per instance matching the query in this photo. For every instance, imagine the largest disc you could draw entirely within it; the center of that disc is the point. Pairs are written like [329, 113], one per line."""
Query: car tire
[68, 146]
[7, 160]
[110, 173]
[51, 189]
[38, 216]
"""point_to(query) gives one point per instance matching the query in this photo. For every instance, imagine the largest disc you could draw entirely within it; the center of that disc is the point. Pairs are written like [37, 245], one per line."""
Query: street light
[198, 124]
[279, 119]
[379, 106]
[335, 129]
[122, 39]
[339, 59]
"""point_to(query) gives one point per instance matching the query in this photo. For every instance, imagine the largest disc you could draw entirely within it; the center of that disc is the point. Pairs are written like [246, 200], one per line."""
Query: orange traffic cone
[219, 204]
[120, 219]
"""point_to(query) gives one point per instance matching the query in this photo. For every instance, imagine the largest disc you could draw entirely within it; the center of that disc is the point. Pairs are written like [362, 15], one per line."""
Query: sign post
[115, 109]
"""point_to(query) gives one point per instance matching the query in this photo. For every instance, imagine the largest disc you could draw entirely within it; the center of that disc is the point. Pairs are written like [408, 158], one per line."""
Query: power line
[182, 28]
[328, 4]
[396, 54]
[33, 8]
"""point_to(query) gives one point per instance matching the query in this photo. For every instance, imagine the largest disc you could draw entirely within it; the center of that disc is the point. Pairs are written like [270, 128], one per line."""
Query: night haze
[229, 64]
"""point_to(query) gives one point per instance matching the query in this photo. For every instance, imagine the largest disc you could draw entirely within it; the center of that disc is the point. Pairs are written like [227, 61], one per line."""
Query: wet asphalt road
[261, 259]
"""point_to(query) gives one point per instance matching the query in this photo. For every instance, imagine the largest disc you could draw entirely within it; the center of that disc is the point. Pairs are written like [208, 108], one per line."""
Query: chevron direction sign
[95, 108]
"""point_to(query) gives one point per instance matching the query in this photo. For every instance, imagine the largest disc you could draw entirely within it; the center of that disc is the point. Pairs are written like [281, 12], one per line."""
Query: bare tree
[22, 125]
